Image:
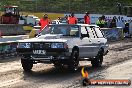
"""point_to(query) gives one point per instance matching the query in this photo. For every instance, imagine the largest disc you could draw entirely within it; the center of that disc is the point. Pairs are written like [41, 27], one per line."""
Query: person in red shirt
[72, 19]
[44, 21]
[87, 18]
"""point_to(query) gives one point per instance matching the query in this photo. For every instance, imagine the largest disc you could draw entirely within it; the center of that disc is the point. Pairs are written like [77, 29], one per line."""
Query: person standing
[44, 21]
[113, 23]
[104, 22]
[72, 19]
[100, 23]
[87, 18]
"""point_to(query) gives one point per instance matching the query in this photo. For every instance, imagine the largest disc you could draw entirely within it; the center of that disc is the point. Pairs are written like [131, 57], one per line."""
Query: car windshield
[65, 30]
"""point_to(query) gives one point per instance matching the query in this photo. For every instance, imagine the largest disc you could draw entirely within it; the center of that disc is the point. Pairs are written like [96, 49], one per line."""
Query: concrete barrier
[8, 49]
[13, 38]
[8, 45]
[11, 29]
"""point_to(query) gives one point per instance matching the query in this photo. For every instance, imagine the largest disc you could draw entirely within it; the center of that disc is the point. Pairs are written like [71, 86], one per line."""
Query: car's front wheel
[27, 64]
[73, 61]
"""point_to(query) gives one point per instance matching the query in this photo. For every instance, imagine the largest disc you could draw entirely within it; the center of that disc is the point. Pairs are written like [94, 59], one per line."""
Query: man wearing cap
[72, 19]
[44, 21]
[87, 18]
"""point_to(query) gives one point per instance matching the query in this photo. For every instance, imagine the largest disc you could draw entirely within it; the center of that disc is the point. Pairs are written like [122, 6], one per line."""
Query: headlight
[57, 45]
[24, 45]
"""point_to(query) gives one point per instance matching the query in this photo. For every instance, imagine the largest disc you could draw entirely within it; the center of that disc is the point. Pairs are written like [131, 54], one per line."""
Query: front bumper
[49, 56]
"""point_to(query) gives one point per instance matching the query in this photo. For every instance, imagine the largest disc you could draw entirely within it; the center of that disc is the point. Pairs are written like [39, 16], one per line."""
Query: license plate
[43, 52]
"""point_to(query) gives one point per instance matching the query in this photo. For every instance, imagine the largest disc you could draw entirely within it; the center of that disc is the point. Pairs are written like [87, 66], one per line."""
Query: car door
[85, 46]
[94, 39]
[101, 40]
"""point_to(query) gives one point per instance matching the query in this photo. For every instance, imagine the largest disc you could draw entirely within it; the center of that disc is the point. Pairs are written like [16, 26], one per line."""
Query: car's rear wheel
[27, 64]
[73, 61]
[97, 61]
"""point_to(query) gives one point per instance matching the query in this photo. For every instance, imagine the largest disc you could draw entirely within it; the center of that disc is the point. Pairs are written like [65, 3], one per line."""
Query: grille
[41, 45]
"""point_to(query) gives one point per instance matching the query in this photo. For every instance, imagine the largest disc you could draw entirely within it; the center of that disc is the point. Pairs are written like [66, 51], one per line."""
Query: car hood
[48, 38]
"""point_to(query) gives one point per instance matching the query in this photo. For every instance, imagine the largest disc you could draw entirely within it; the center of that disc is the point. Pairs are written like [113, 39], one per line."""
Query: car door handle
[98, 40]
[89, 40]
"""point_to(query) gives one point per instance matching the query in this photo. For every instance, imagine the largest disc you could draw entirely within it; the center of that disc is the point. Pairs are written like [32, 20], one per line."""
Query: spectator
[87, 18]
[59, 18]
[72, 19]
[66, 17]
[44, 21]
[113, 23]
[100, 22]
[104, 21]
[126, 28]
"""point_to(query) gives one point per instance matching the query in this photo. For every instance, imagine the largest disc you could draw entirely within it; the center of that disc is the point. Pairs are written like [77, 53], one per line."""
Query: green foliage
[65, 6]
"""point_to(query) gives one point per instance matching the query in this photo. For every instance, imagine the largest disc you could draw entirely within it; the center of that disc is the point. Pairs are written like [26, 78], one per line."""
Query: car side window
[74, 31]
[84, 32]
[99, 33]
[91, 32]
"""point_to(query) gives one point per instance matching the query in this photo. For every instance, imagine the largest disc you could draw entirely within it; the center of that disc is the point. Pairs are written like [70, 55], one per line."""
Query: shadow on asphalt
[54, 75]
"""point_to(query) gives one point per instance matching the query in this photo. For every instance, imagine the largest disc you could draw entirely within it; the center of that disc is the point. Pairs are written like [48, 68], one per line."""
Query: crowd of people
[72, 19]
[102, 22]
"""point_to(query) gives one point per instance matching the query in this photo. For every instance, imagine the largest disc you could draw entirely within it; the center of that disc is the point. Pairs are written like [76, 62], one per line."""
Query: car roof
[77, 24]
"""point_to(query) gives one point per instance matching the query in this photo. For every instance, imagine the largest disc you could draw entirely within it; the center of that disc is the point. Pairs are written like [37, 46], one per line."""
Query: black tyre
[73, 61]
[97, 61]
[27, 64]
